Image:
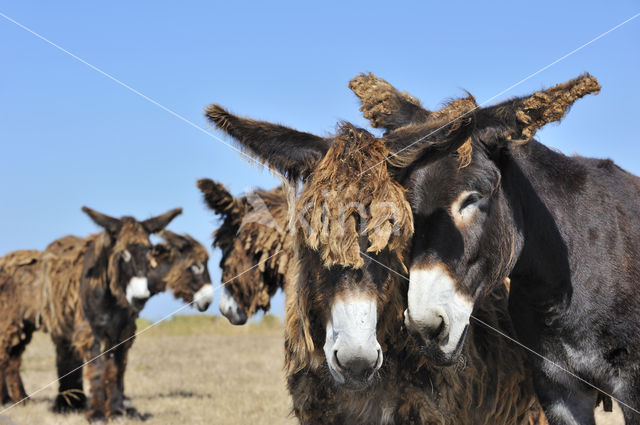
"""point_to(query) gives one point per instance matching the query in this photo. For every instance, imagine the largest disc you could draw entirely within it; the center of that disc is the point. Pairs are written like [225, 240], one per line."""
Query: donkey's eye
[126, 255]
[471, 199]
[197, 268]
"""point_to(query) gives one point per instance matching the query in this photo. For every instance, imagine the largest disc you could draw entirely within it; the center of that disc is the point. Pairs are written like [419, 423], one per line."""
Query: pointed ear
[290, 152]
[526, 115]
[110, 224]
[156, 224]
[175, 240]
[384, 106]
[218, 198]
[446, 131]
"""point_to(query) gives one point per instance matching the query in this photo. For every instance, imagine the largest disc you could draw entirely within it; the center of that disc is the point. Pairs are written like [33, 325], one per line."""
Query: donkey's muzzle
[352, 351]
[357, 366]
[137, 292]
[230, 308]
[203, 297]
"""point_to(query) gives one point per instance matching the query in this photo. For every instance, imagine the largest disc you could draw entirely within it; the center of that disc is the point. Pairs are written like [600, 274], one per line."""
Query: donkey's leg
[114, 402]
[4, 391]
[8, 335]
[71, 395]
[120, 357]
[95, 372]
[629, 395]
[565, 406]
[13, 379]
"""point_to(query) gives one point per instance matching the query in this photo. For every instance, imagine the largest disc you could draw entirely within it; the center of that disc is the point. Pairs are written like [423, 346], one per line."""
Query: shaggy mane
[351, 194]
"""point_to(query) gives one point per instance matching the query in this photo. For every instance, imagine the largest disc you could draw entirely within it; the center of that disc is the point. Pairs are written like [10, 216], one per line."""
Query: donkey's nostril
[432, 324]
[437, 333]
[335, 358]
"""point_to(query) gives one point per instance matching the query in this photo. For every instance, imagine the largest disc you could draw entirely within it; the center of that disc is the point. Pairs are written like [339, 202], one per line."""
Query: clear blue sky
[69, 136]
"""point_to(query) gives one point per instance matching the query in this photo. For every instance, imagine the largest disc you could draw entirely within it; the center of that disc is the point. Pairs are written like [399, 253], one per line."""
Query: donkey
[256, 248]
[562, 228]
[345, 311]
[19, 318]
[178, 264]
[85, 293]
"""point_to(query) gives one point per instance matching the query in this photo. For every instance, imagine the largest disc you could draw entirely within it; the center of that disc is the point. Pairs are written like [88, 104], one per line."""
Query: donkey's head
[181, 266]
[251, 238]
[350, 232]
[453, 163]
[127, 250]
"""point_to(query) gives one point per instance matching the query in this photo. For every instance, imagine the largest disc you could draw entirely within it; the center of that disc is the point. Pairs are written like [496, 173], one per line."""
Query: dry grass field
[192, 370]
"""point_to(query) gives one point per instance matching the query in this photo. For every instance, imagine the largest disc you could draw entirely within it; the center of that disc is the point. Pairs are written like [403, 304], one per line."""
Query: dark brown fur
[171, 268]
[75, 290]
[174, 259]
[255, 243]
[492, 381]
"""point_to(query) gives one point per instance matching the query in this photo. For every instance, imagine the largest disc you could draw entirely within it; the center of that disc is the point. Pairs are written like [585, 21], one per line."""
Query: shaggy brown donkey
[178, 264]
[256, 248]
[347, 311]
[86, 293]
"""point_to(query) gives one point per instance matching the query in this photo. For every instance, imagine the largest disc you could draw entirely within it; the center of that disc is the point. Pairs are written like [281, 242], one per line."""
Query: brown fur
[302, 158]
[171, 263]
[384, 106]
[255, 243]
[551, 105]
[491, 386]
[69, 290]
[335, 208]
[178, 253]
[491, 379]
[455, 115]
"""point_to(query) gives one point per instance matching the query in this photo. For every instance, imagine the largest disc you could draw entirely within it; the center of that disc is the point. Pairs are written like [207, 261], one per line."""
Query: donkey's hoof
[66, 403]
[97, 420]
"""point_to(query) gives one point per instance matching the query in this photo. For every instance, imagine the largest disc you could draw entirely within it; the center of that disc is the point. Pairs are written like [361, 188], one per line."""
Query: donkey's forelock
[447, 121]
[131, 233]
[349, 195]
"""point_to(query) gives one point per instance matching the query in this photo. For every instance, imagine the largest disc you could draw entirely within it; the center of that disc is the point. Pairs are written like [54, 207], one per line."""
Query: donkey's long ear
[218, 198]
[156, 224]
[444, 132]
[291, 152]
[110, 224]
[384, 106]
[526, 115]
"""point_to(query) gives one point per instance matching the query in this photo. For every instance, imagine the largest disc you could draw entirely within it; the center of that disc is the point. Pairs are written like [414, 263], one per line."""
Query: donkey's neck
[539, 184]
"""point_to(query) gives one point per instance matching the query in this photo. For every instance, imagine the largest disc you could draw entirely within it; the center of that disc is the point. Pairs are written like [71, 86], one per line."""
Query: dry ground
[193, 370]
